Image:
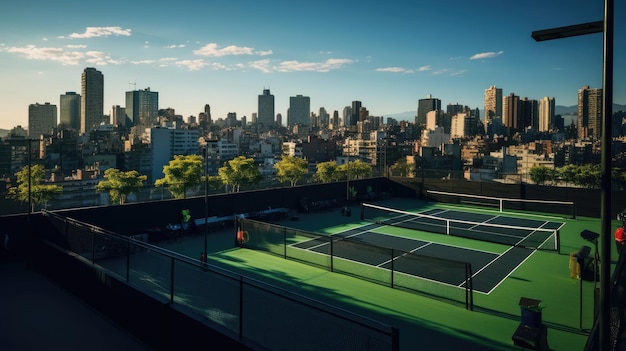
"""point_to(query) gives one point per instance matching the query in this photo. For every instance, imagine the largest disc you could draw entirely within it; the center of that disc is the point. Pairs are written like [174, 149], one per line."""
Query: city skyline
[224, 55]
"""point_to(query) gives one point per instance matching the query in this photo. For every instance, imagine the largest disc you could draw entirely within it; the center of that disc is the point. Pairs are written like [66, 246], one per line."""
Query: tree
[39, 193]
[182, 173]
[540, 174]
[328, 172]
[568, 173]
[588, 175]
[357, 170]
[402, 168]
[239, 171]
[121, 184]
[291, 169]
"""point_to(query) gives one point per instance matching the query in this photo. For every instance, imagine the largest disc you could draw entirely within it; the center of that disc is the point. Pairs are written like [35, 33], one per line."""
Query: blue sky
[388, 55]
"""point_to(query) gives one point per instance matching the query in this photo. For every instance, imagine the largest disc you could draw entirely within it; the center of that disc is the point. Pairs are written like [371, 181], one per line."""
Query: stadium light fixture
[606, 26]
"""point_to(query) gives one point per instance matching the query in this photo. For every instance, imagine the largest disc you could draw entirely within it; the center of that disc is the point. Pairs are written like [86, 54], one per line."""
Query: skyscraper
[266, 109]
[510, 112]
[299, 111]
[424, 106]
[493, 104]
[69, 114]
[42, 119]
[142, 107]
[528, 114]
[546, 114]
[92, 99]
[355, 110]
[589, 122]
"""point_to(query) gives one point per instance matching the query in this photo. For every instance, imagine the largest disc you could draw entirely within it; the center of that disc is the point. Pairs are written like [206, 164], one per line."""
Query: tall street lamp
[607, 27]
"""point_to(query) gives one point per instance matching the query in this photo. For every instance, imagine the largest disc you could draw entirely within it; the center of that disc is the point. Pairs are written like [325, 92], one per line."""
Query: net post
[557, 241]
[501, 205]
[573, 210]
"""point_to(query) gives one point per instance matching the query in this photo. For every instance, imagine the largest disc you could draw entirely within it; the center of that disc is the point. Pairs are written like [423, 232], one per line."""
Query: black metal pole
[206, 196]
[605, 209]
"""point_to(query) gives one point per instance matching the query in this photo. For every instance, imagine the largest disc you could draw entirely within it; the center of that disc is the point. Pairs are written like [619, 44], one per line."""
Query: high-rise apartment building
[265, 114]
[299, 111]
[42, 119]
[206, 116]
[546, 114]
[424, 106]
[142, 107]
[589, 122]
[92, 99]
[118, 116]
[355, 111]
[510, 112]
[69, 110]
[493, 104]
[528, 114]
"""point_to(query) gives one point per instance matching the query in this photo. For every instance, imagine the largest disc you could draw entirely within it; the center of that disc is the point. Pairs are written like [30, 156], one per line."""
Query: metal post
[605, 209]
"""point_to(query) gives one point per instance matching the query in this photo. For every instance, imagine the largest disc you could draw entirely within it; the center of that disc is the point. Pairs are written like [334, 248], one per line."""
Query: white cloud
[94, 32]
[328, 65]
[213, 50]
[458, 73]
[486, 55]
[391, 69]
[75, 46]
[168, 59]
[44, 39]
[192, 65]
[100, 58]
[142, 62]
[174, 46]
[261, 65]
[425, 68]
[31, 52]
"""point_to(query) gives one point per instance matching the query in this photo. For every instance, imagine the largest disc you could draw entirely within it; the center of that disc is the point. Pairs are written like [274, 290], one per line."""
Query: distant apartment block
[42, 119]
[69, 110]
[92, 99]
[589, 121]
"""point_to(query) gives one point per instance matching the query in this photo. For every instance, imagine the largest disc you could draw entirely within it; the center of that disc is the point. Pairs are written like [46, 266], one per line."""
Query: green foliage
[121, 184]
[541, 174]
[402, 168]
[240, 171]
[291, 169]
[182, 173]
[356, 169]
[327, 172]
[39, 193]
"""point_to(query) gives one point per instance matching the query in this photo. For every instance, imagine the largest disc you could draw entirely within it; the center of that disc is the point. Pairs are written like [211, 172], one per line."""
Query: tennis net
[566, 208]
[528, 237]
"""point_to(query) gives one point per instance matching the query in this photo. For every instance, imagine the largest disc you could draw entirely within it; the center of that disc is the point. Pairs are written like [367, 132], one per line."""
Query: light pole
[206, 196]
[606, 27]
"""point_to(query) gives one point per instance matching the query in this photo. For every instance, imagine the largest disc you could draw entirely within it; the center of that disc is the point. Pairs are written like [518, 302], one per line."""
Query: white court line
[404, 254]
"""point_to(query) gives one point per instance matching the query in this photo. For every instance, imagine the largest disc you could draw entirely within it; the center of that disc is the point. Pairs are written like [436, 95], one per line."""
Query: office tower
[431, 120]
[92, 99]
[42, 119]
[347, 113]
[510, 112]
[323, 118]
[206, 116]
[355, 110]
[424, 106]
[589, 122]
[142, 107]
[279, 119]
[493, 104]
[266, 109]
[118, 116]
[528, 114]
[335, 120]
[69, 110]
[546, 114]
[299, 111]
[459, 126]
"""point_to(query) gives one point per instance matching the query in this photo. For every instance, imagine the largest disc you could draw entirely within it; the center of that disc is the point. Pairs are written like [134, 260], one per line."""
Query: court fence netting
[243, 308]
[350, 256]
[518, 236]
[563, 208]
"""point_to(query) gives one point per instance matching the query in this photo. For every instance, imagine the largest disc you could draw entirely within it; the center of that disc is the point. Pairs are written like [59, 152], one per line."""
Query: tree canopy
[291, 169]
[327, 172]
[121, 184]
[39, 193]
[181, 173]
[240, 171]
[402, 168]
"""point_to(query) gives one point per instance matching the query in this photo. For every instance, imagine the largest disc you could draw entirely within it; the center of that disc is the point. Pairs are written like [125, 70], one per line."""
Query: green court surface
[426, 322]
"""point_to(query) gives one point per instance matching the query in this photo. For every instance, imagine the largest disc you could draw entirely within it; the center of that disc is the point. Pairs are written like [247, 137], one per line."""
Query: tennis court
[361, 245]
